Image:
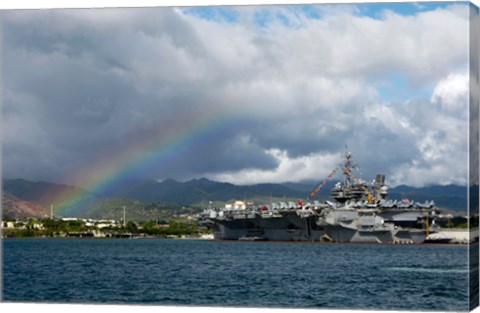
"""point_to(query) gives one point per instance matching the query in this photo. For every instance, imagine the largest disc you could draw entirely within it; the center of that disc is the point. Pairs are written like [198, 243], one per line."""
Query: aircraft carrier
[357, 212]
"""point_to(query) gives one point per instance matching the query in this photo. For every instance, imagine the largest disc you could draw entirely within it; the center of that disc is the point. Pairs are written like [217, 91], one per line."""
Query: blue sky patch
[214, 13]
[398, 88]
[264, 16]
[376, 10]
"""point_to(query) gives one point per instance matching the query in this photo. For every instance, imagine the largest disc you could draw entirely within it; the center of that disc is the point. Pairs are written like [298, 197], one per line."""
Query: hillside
[201, 191]
[14, 208]
[112, 209]
[449, 197]
[150, 198]
[47, 194]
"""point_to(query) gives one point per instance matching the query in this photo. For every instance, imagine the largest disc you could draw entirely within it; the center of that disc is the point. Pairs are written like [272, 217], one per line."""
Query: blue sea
[236, 274]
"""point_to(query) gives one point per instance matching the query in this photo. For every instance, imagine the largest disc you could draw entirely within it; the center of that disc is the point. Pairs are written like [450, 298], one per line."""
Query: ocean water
[236, 274]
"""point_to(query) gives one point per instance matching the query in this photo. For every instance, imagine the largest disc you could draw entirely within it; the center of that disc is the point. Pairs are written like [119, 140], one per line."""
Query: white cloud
[440, 131]
[452, 93]
[289, 169]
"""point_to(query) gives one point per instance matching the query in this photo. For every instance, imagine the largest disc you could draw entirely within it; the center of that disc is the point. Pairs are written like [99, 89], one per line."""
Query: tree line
[61, 228]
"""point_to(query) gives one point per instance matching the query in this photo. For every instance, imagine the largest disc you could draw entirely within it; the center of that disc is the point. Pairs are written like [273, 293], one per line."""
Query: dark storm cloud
[90, 85]
[82, 83]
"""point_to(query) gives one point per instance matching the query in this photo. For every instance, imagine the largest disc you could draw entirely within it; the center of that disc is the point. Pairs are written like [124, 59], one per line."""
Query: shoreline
[256, 241]
[355, 243]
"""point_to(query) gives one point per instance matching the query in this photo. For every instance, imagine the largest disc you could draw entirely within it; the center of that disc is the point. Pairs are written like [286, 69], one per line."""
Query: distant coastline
[87, 228]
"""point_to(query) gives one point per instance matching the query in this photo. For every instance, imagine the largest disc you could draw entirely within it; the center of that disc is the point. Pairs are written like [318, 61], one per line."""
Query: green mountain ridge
[153, 199]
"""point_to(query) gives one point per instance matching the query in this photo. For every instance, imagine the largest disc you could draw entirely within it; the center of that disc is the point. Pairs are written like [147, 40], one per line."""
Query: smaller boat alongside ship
[358, 212]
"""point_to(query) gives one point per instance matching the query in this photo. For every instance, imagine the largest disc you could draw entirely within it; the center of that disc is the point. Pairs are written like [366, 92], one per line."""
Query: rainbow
[168, 143]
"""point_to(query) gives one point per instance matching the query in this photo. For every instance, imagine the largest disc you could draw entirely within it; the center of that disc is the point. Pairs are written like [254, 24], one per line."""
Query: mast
[124, 221]
[347, 167]
[51, 211]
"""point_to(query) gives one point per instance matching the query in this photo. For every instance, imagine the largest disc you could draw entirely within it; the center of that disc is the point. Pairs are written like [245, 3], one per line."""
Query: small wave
[427, 270]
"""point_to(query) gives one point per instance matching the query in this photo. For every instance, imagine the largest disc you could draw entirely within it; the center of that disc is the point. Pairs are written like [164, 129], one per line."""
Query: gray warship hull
[276, 229]
[387, 222]
[342, 234]
[287, 227]
[291, 227]
[360, 213]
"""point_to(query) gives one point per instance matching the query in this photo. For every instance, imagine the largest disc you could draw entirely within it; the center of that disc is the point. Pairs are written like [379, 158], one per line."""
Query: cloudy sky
[247, 94]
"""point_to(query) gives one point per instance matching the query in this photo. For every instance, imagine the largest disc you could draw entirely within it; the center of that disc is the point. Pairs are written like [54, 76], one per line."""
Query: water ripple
[176, 272]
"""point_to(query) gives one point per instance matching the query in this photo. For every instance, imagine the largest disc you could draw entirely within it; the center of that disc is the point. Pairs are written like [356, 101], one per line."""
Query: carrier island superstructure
[357, 212]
